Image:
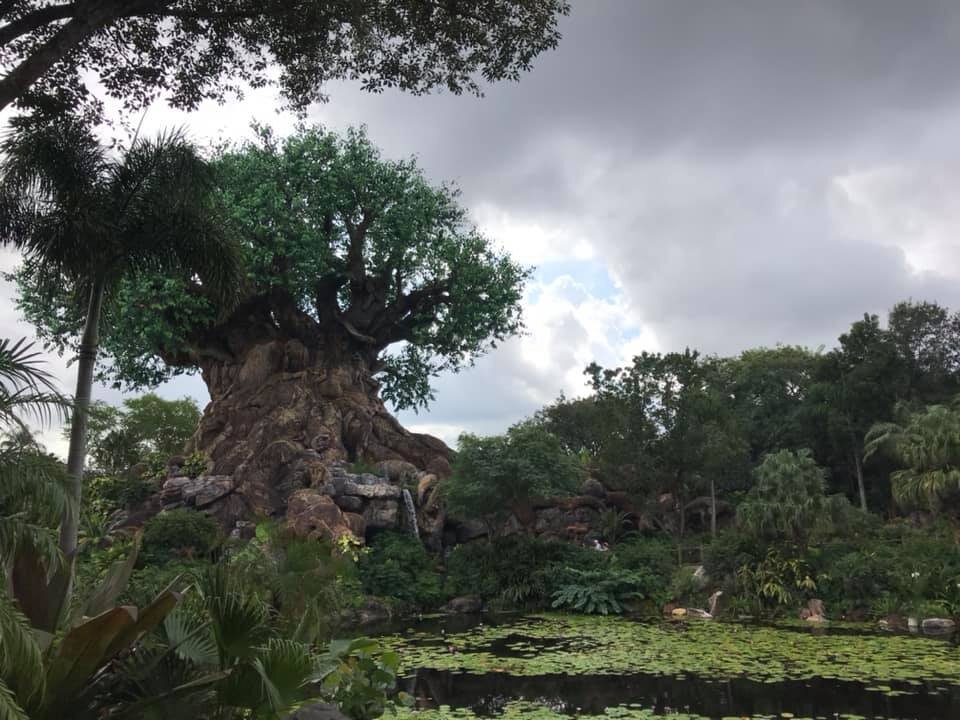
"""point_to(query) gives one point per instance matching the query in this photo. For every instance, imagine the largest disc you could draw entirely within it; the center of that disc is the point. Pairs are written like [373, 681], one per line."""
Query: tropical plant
[360, 677]
[788, 497]
[84, 221]
[602, 591]
[181, 532]
[613, 524]
[927, 443]
[775, 580]
[398, 567]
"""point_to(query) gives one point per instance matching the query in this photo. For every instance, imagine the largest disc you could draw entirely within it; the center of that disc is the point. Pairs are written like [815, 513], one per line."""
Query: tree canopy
[341, 249]
[193, 50]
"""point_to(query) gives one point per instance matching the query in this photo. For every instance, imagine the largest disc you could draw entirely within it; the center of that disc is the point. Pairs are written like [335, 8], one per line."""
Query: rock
[382, 513]
[398, 471]
[700, 576]
[349, 503]
[938, 625]
[714, 604]
[425, 487]
[318, 711]
[593, 488]
[679, 612]
[470, 530]
[669, 608]
[370, 490]
[211, 488]
[698, 613]
[815, 605]
[374, 610]
[243, 530]
[357, 524]
[311, 515]
[172, 490]
[464, 604]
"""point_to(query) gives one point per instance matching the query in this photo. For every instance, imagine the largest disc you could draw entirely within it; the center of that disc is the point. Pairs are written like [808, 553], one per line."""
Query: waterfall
[410, 517]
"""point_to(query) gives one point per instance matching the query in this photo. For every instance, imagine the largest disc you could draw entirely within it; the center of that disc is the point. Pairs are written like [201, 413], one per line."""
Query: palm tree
[927, 443]
[86, 218]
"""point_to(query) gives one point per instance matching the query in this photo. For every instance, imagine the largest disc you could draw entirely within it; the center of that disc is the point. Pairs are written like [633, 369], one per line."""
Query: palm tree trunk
[60, 584]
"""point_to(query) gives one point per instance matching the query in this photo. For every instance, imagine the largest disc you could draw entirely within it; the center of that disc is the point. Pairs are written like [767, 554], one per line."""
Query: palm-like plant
[927, 443]
[85, 218]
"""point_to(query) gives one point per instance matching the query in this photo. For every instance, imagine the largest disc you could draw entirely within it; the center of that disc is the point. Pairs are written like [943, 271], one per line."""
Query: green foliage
[108, 493]
[730, 550]
[492, 476]
[360, 677]
[146, 428]
[654, 556]
[775, 581]
[210, 54]
[179, 533]
[788, 498]
[928, 444]
[398, 567]
[308, 584]
[685, 588]
[602, 591]
[518, 569]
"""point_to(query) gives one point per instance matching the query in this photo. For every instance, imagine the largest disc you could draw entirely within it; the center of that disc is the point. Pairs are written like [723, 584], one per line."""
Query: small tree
[788, 498]
[494, 476]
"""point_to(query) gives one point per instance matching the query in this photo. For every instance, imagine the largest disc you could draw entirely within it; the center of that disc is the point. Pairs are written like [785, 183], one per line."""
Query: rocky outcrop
[814, 611]
[466, 604]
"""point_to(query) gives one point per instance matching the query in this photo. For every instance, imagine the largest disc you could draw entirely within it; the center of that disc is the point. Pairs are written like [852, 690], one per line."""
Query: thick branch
[35, 20]
[66, 39]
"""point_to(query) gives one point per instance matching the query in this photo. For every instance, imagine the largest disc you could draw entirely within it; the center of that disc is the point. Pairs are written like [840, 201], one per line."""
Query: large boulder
[371, 490]
[318, 711]
[593, 488]
[382, 513]
[315, 516]
[938, 625]
[464, 604]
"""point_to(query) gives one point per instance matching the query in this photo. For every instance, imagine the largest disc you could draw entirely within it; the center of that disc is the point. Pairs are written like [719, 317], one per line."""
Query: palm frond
[21, 662]
[9, 707]
[25, 386]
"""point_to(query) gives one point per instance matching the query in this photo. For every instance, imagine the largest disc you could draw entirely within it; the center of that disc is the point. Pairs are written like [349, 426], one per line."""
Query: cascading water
[410, 515]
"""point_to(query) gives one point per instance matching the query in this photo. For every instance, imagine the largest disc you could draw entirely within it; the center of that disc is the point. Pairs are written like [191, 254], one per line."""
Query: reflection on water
[487, 693]
[592, 694]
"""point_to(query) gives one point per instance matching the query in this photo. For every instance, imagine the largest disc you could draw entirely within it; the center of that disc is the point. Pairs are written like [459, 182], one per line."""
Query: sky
[714, 174]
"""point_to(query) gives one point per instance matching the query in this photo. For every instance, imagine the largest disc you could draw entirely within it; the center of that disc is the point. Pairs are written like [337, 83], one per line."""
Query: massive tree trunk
[282, 412]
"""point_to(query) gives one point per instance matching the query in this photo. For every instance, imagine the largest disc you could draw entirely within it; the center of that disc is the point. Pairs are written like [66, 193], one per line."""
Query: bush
[397, 566]
[109, 493]
[602, 591]
[519, 569]
[728, 552]
[655, 556]
[179, 533]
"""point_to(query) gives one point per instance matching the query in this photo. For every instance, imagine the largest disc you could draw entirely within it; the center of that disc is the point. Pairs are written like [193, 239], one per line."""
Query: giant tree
[86, 220]
[193, 50]
[359, 275]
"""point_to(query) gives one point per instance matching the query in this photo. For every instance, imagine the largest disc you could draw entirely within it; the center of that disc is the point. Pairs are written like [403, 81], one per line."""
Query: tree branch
[35, 20]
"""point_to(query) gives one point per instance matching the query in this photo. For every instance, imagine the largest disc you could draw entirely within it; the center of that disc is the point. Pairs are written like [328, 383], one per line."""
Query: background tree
[680, 428]
[85, 221]
[357, 272]
[198, 49]
[142, 428]
[788, 497]
[499, 475]
[927, 443]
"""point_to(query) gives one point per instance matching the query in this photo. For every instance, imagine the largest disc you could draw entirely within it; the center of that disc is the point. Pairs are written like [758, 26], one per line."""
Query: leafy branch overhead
[193, 50]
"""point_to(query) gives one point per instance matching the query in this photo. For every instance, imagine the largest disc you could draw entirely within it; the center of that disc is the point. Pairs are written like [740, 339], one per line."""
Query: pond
[557, 666]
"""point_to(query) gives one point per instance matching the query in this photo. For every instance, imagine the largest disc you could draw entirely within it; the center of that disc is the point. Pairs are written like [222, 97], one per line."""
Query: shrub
[600, 592]
[518, 569]
[399, 567]
[656, 556]
[685, 588]
[108, 493]
[728, 552]
[179, 533]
